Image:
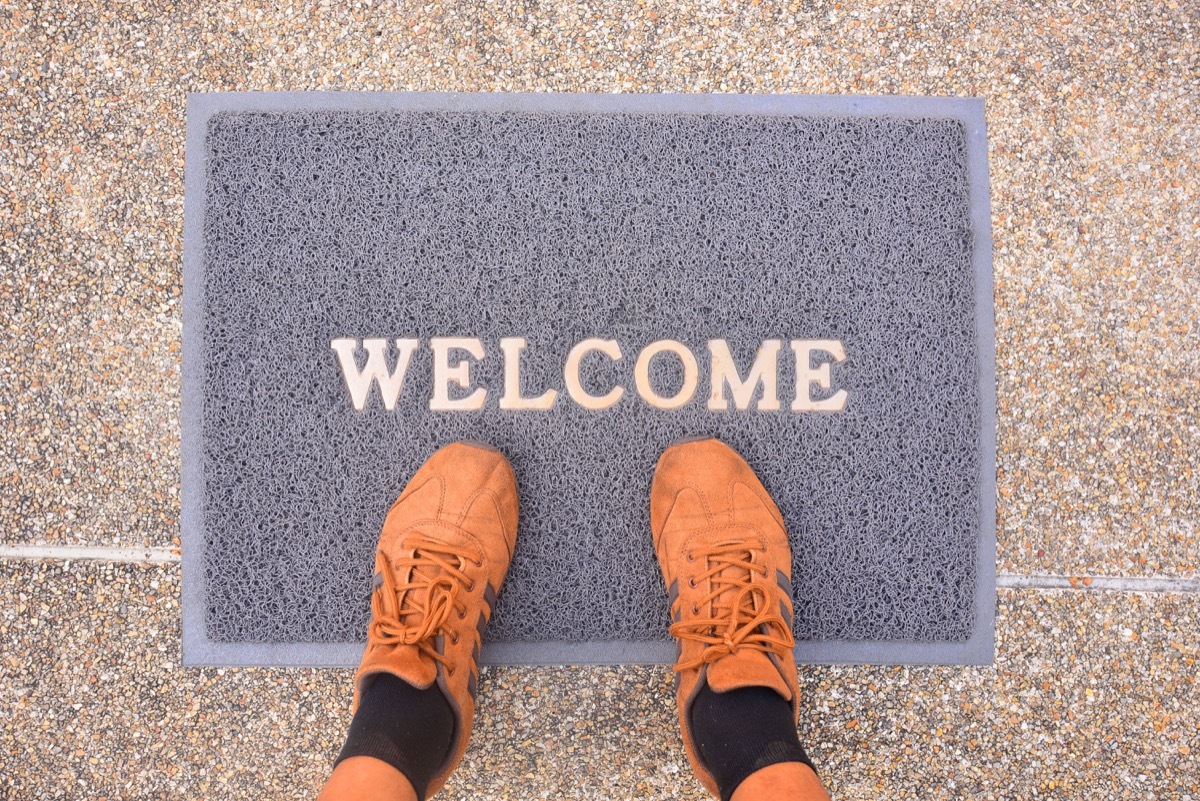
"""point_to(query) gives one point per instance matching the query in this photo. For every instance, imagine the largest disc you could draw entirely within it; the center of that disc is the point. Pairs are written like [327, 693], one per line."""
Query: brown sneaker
[445, 547]
[727, 565]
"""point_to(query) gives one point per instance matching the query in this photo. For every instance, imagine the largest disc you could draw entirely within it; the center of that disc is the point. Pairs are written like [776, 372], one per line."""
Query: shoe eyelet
[450, 671]
[691, 557]
[471, 587]
[692, 582]
[695, 609]
[454, 638]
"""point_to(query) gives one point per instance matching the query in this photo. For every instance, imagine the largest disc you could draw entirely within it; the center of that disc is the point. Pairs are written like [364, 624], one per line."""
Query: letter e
[460, 373]
[807, 375]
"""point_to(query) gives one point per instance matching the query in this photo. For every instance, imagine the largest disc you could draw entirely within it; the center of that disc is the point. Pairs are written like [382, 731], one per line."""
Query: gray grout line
[1006, 581]
[93, 552]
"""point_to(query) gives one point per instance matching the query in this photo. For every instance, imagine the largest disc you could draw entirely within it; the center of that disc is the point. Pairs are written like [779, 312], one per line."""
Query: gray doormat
[844, 240]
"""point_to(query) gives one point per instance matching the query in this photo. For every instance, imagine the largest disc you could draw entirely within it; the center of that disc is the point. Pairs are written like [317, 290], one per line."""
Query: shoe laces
[740, 612]
[417, 610]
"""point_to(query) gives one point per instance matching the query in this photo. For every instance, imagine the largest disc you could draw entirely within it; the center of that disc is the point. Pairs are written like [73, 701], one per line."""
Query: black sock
[407, 728]
[741, 731]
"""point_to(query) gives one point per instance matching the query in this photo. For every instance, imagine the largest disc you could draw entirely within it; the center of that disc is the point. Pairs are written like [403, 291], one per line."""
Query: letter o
[691, 374]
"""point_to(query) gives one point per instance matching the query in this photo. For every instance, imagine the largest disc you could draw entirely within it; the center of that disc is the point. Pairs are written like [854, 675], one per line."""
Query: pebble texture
[1094, 695]
[1094, 127]
[560, 227]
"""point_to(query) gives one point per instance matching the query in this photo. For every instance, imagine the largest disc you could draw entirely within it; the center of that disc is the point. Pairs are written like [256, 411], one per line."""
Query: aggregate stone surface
[1094, 126]
[1094, 695]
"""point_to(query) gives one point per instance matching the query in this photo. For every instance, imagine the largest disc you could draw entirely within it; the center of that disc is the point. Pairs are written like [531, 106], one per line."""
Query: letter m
[764, 371]
[376, 369]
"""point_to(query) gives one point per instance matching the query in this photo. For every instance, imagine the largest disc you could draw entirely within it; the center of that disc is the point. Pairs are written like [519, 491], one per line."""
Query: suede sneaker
[442, 555]
[727, 564]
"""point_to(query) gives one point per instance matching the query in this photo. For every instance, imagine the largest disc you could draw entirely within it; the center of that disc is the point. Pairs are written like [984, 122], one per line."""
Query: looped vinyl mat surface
[484, 255]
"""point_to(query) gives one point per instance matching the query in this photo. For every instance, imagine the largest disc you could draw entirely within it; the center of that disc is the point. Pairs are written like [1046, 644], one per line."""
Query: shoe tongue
[746, 668]
[414, 597]
[418, 597]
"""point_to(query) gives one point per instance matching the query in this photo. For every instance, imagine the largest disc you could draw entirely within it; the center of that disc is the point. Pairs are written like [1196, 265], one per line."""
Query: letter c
[609, 348]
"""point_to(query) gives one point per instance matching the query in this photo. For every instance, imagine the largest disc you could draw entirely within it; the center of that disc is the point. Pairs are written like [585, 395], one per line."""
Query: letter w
[359, 381]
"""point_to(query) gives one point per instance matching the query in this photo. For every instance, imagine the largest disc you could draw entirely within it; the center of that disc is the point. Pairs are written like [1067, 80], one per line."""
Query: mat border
[199, 651]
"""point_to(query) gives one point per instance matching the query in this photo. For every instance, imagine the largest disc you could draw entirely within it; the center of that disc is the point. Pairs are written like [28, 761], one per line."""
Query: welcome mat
[580, 280]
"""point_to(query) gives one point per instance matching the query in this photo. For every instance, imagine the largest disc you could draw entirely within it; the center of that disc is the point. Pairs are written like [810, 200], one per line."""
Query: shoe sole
[480, 444]
[686, 440]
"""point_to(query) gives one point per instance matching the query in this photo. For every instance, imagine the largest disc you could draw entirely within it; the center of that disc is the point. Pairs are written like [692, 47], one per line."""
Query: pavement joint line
[1014, 581]
[1007, 581]
[104, 553]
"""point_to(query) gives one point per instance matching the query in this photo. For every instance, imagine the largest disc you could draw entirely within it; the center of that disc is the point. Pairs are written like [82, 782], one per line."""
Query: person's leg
[784, 780]
[398, 733]
[367, 779]
[442, 556]
[747, 740]
[726, 562]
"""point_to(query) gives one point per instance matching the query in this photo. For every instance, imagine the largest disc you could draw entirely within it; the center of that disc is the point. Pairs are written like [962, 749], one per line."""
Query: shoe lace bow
[417, 610]
[739, 611]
